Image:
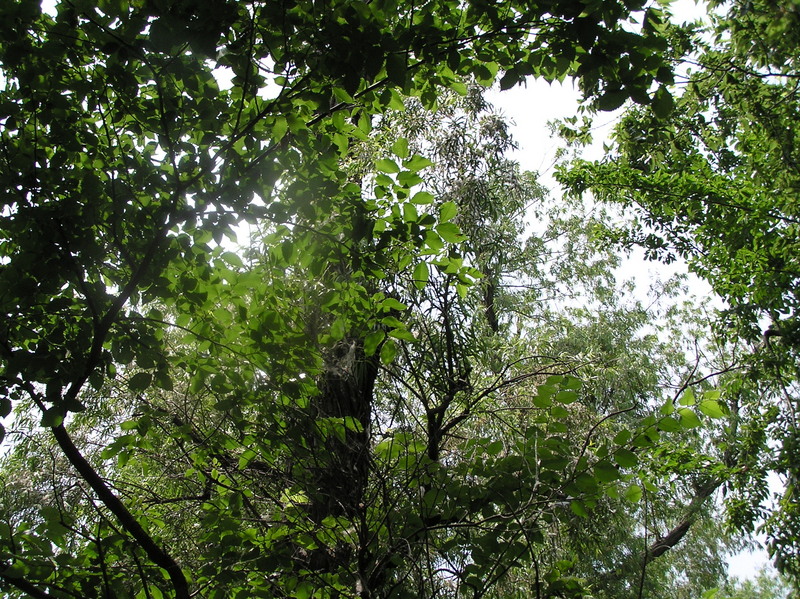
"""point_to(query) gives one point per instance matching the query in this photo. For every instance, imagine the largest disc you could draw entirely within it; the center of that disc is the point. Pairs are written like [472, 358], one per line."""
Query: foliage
[767, 585]
[376, 396]
[713, 179]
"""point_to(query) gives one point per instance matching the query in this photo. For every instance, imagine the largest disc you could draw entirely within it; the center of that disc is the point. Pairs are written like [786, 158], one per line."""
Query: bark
[336, 472]
[490, 311]
[26, 587]
[341, 464]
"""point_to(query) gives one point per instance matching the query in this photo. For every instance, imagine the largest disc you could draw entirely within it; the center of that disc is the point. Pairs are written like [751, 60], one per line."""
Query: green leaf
[668, 424]
[546, 390]
[15, 570]
[388, 352]
[416, 163]
[232, 259]
[52, 417]
[279, 127]
[566, 396]
[509, 80]
[447, 211]
[626, 458]
[612, 100]
[663, 103]
[304, 590]
[688, 418]
[410, 214]
[433, 241]
[372, 341]
[687, 398]
[578, 508]
[391, 303]
[338, 329]
[485, 73]
[402, 334]
[711, 408]
[73, 405]
[140, 381]
[397, 68]
[450, 232]
[409, 179]
[634, 493]
[422, 197]
[391, 321]
[400, 147]
[606, 472]
[387, 165]
[421, 275]
[622, 437]
[163, 35]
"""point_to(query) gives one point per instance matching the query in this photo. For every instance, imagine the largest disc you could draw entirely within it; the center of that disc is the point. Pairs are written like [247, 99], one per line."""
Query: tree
[712, 179]
[374, 397]
[158, 370]
[767, 585]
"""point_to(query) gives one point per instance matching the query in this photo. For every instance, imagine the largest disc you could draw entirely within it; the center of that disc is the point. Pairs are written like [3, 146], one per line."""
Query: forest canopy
[312, 333]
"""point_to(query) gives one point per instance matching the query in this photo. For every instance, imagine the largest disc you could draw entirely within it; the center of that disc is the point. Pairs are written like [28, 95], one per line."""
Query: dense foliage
[276, 323]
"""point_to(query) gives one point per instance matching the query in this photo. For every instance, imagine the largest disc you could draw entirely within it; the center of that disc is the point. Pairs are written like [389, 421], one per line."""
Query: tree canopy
[713, 180]
[277, 322]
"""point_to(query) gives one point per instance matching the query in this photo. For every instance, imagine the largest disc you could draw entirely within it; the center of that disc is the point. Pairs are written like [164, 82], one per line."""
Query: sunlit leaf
[52, 417]
[688, 418]
[450, 232]
[400, 147]
[633, 493]
[388, 351]
[447, 211]
[387, 165]
[422, 197]
[711, 408]
[416, 163]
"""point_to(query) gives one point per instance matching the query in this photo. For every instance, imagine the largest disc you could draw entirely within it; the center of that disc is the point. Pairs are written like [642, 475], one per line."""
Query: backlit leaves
[195, 388]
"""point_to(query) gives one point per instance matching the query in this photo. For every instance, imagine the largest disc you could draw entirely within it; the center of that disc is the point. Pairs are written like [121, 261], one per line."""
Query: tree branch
[674, 536]
[159, 557]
